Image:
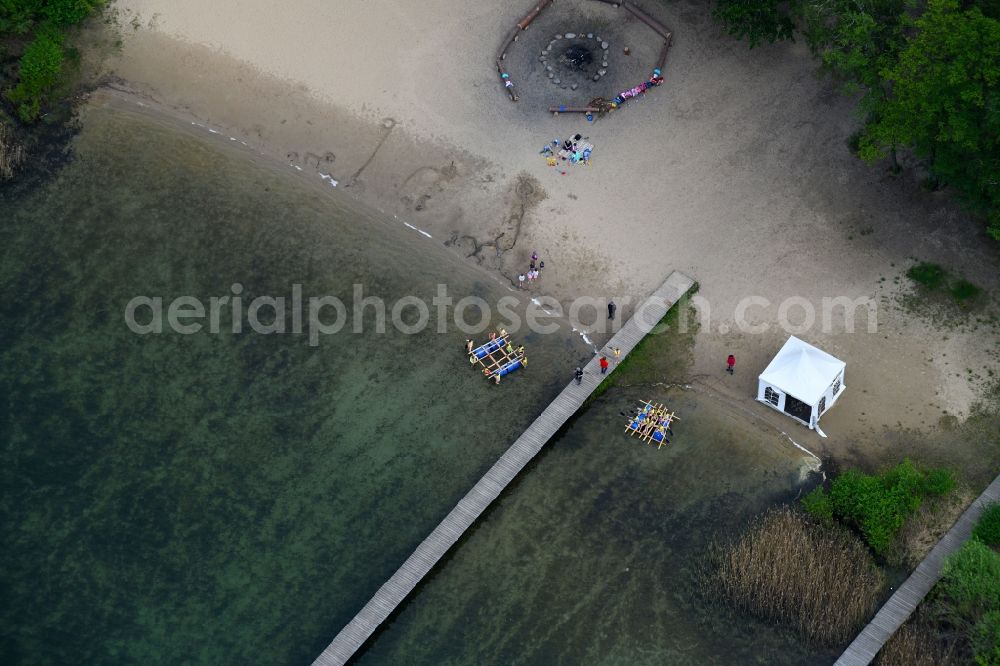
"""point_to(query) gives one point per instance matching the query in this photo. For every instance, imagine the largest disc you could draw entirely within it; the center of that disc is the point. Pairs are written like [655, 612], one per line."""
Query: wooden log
[505, 79]
[649, 20]
[662, 60]
[573, 109]
[533, 14]
[511, 38]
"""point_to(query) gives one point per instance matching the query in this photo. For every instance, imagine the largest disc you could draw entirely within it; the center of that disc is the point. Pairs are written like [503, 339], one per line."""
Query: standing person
[468, 346]
[520, 281]
[730, 364]
[604, 365]
[617, 352]
[611, 309]
[578, 374]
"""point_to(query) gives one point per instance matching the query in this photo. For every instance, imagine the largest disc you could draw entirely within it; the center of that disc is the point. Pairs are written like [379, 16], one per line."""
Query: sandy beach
[735, 171]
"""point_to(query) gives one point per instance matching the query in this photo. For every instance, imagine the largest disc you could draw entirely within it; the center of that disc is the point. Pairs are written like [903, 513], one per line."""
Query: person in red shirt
[730, 364]
[604, 364]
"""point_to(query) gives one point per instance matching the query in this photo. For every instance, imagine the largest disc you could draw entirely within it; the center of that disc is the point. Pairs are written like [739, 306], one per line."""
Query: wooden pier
[488, 488]
[904, 601]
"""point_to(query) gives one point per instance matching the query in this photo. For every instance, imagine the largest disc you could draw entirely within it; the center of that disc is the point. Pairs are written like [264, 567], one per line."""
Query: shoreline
[715, 173]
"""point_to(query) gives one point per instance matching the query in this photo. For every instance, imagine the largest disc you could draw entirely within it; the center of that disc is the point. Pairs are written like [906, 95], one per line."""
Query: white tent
[802, 381]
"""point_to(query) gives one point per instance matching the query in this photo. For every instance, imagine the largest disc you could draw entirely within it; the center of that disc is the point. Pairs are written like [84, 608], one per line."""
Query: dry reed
[927, 526]
[820, 581]
[11, 152]
[917, 643]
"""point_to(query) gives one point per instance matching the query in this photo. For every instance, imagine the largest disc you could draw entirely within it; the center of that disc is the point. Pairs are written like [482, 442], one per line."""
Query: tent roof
[802, 370]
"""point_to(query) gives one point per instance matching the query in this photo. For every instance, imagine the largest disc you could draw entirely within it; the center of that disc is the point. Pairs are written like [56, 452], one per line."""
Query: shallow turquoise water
[228, 498]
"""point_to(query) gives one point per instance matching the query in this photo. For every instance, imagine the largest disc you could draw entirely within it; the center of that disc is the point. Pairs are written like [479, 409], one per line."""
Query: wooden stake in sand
[649, 20]
[533, 14]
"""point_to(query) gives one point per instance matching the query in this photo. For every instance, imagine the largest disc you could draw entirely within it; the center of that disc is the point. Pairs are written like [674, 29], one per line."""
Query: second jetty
[489, 487]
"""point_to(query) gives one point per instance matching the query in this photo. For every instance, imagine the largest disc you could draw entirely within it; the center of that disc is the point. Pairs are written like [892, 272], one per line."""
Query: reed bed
[11, 152]
[917, 643]
[821, 581]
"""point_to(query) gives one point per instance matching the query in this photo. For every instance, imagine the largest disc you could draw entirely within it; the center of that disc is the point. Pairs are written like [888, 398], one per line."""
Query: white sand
[736, 171]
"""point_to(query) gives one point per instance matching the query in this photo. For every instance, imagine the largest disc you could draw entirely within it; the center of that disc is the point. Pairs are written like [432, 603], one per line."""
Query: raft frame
[494, 358]
[636, 426]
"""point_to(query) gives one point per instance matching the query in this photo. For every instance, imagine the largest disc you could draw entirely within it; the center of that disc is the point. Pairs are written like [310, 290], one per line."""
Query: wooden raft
[656, 421]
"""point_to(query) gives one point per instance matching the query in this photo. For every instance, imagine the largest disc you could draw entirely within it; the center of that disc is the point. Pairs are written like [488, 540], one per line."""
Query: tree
[39, 72]
[945, 103]
[856, 41]
[756, 21]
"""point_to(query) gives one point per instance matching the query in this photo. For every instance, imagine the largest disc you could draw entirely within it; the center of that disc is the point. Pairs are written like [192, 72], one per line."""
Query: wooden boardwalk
[488, 488]
[904, 601]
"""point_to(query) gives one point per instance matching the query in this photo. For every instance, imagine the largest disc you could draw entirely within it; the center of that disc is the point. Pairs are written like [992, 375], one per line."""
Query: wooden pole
[502, 53]
[649, 20]
[662, 60]
[533, 14]
[573, 109]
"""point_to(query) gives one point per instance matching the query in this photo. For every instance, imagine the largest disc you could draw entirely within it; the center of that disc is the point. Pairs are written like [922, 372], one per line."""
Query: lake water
[594, 556]
[227, 498]
[234, 498]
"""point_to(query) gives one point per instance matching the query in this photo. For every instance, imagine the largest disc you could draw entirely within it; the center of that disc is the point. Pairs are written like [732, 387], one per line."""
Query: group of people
[575, 150]
[533, 271]
[617, 352]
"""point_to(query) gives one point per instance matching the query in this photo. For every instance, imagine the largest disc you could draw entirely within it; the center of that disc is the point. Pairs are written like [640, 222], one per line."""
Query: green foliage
[879, 505]
[987, 528]
[970, 580]
[929, 276]
[20, 16]
[985, 639]
[39, 72]
[69, 12]
[944, 102]
[928, 75]
[43, 60]
[756, 21]
[963, 290]
[818, 505]
[938, 482]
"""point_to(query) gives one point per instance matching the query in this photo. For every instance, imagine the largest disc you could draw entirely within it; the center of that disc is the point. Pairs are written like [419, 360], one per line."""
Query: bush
[818, 505]
[985, 639]
[19, 16]
[963, 290]
[929, 276]
[970, 580]
[938, 482]
[39, 72]
[69, 12]
[987, 528]
[879, 505]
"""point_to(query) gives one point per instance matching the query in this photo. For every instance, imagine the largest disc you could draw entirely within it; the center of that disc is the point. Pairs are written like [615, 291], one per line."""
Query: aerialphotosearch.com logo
[318, 316]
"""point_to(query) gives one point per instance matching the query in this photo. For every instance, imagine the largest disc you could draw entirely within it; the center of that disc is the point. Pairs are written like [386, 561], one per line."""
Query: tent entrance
[797, 408]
